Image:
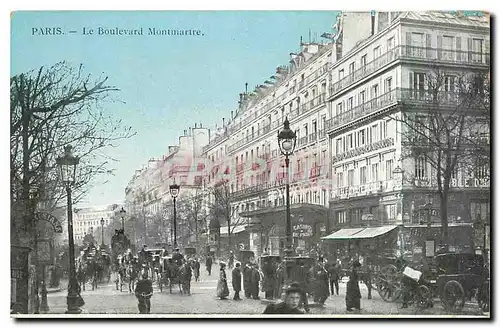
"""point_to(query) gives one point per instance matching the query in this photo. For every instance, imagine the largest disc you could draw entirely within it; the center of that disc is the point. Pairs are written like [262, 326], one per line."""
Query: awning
[343, 234]
[294, 208]
[359, 233]
[234, 230]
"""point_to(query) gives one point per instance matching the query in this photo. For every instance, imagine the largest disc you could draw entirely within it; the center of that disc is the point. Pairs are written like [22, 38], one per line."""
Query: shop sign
[302, 230]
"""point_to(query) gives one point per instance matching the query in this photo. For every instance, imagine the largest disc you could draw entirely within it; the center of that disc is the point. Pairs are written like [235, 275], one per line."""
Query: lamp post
[102, 233]
[67, 164]
[428, 204]
[287, 140]
[174, 192]
[122, 216]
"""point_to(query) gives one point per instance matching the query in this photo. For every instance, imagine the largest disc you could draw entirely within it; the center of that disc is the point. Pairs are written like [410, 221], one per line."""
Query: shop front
[268, 228]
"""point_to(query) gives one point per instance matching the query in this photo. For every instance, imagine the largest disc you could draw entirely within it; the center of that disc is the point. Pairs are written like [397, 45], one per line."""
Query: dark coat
[236, 279]
[247, 278]
[353, 294]
[281, 308]
[209, 262]
[333, 271]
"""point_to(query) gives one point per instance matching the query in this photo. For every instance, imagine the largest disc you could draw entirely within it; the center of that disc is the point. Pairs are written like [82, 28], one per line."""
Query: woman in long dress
[222, 289]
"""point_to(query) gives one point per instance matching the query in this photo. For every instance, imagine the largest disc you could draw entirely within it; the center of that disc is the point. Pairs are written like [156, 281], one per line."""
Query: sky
[167, 83]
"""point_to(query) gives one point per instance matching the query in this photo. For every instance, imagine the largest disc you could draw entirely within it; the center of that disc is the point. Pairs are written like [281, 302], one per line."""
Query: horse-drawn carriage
[170, 274]
[189, 252]
[452, 277]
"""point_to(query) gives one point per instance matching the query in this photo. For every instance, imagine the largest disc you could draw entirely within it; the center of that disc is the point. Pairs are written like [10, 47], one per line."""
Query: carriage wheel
[388, 283]
[453, 296]
[424, 297]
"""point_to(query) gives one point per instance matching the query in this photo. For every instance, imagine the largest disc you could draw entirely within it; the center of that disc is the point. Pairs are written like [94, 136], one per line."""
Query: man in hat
[255, 282]
[353, 294]
[290, 305]
[143, 292]
[177, 257]
[236, 281]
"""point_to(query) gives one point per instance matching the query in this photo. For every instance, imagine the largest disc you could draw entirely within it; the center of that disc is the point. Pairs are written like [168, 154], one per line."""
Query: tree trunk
[229, 234]
[444, 215]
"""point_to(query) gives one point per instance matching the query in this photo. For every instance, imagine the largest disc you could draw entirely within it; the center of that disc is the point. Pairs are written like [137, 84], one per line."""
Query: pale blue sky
[167, 82]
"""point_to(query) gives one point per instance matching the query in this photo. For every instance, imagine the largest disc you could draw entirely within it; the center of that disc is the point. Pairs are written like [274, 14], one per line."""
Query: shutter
[459, 49]
[406, 50]
[469, 49]
[428, 46]
[439, 46]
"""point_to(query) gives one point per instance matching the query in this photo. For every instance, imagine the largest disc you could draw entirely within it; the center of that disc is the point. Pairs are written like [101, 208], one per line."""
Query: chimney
[232, 115]
[373, 21]
[195, 125]
[189, 131]
[223, 124]
[200, 126]
[185, 132]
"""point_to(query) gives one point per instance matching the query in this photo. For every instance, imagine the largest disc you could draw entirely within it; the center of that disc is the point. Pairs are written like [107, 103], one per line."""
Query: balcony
[397, 96]
[215, 141]
[313, 137]
[436, 55]
[321, 134]
[302, 141]
[179, 169]
[384, 143]
[372, 188]
[257, 188]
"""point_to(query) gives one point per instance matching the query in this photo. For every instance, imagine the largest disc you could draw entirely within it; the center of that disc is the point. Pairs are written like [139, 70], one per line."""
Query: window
[339, 108]
[361, 137]
[390, 43]
[350, 144]
[341, 74]
[374, 133]
[362, 175]
[363, 61]
[376, 52]
[375, 172]
[447, 47]
[480, 171]
[349, 103]
[350, 178]
[477, 48]
[362, 97]
[417, 83]
[388, 85]
[323, 121]
[385, 125]
[480, 210]
[338, 146]
[421, 167]
[390, 211]
[375, 91]
[340, 179]
[417, 44]
[341, 217]
[388, 170]
[449, 83]
[351, 68]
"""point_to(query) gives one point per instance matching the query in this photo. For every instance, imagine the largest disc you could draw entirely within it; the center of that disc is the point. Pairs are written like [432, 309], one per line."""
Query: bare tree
[52, 107]
[195, 215]
[444, 131]
[222, 207]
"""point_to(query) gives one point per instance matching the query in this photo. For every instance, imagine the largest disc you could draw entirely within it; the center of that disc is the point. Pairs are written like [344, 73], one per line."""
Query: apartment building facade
[248, 155]
[374, 182]
[147, 196]
[87, 220]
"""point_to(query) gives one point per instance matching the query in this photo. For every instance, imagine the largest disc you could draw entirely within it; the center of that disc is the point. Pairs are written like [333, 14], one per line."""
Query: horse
[132, 275]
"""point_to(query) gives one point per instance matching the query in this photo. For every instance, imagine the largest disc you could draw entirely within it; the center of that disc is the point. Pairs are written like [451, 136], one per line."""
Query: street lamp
[67, 164]
[429, 242]
[174, 192]
[102, 233]
[287, 140]
[122, 215]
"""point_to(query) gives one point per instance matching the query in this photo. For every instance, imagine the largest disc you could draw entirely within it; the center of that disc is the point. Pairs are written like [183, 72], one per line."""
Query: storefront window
[480, 211]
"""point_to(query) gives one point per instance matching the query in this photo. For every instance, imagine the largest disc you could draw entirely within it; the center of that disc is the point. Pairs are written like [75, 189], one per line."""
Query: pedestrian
[231, 260]
[280, 279]
[222, 289]
[196, 267]
[269, 279]
[353, 294]
[143, 292]
[334, 276]
[290, 305]
[319, 282]
[247, 280]
[255, 280]
[367, 278]
[236, 281]
[186, 275]
[209, 263]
